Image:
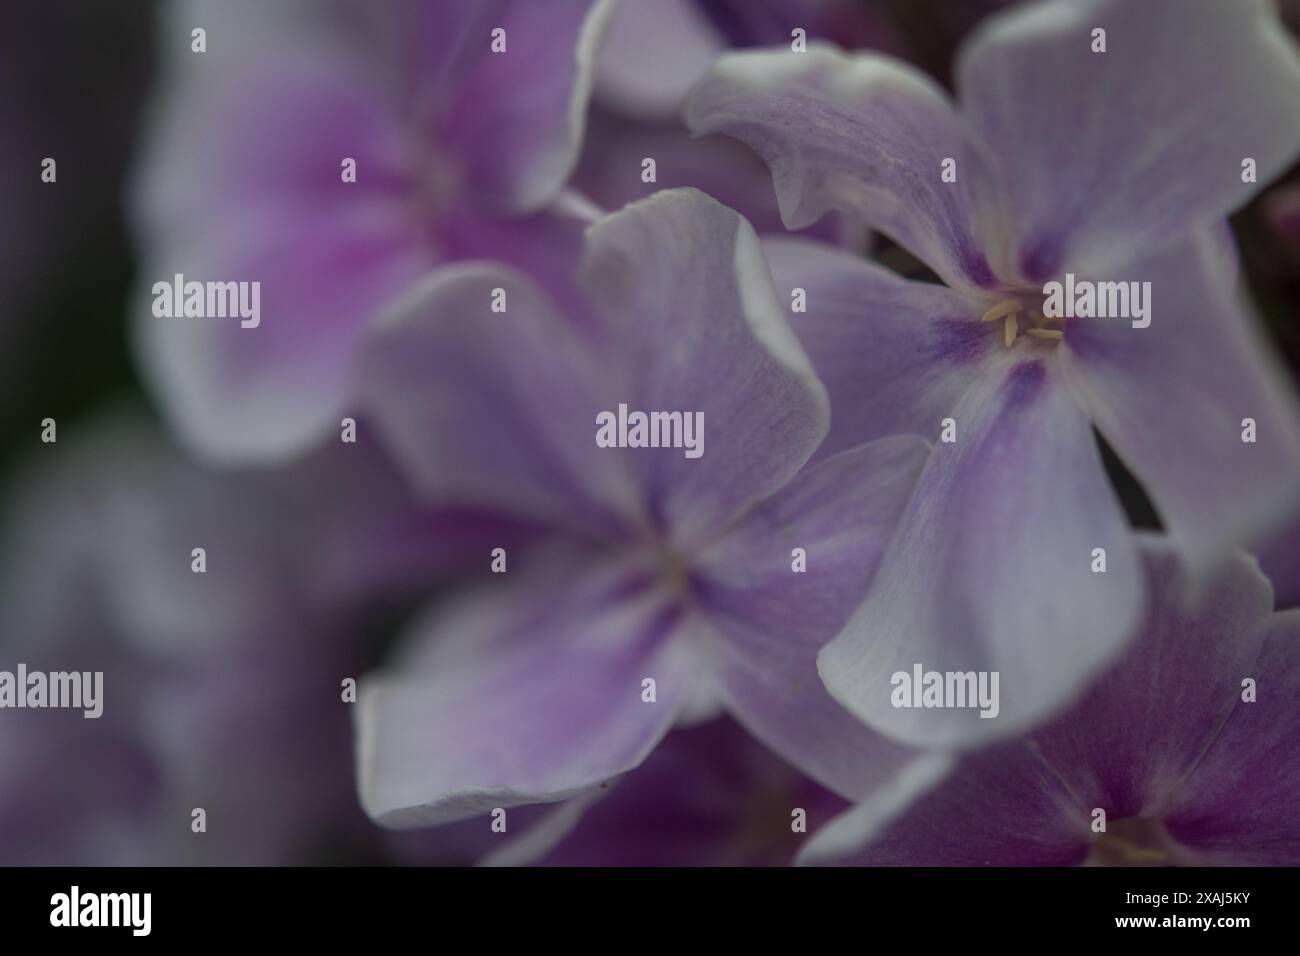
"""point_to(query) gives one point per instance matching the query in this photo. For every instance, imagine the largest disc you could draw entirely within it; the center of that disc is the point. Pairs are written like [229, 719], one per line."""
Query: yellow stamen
[1002, 309]
[1010, 312]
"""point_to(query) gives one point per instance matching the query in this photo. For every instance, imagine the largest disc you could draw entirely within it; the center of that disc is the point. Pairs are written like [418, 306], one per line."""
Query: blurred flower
[244, 178]
[73, 791]
[656, 50]
[669, 585]
[222, 690]
[991, 570]
[1188, 743]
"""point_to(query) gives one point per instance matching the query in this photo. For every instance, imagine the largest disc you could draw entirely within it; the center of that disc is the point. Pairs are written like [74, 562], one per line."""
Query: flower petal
[259, 204]
[494, 408]
[291, 93]
[529, 696]
[691, 322]
[720, 166]
[1239, 805]
[991, 567]
[532, 831]
[1107, 156]
[1131, 740]
[895, 355]
[860, 133]
[516, 118]
[1160, 735]
[1001, 807]
[1172, 399]
[654, 53]
[769, 621]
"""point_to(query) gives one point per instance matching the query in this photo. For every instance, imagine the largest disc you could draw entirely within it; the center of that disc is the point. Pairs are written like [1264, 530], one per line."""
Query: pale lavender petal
[265, 202]
[653, 54]
[855, 133]
[1160, 737]
[495, 408]
[1001, 807]
[692, 323]
[1108, 156]
[531, 832]
[545, 247]
[610, 170]
[1130, 742]
[769, 620]
[528, 691]
[656, 50]
[895, 355]
[1239, 804]
[515, 119]
[291, 91]
[1172, 399]
[991, 570]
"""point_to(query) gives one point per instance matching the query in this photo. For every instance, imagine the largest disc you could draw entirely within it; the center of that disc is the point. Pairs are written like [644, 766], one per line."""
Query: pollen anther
[1004, 308]
[1010, 311]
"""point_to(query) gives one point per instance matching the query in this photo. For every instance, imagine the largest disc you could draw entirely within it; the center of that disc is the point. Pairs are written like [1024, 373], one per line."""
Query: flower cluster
[624, 431]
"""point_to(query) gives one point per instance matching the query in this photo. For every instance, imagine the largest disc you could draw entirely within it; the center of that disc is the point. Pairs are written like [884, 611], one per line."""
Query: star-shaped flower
[1102, 141]
[670, 585]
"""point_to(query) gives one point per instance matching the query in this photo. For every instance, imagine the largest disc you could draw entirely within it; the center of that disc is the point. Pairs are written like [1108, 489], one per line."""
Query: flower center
[674, 574]
[1016, 318]
[1132, 841]
[437, 182]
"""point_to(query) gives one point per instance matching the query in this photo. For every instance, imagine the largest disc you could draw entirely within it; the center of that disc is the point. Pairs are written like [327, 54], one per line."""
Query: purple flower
[221, 690]
[1063, 162]
[656, 50]
[1185, 750]
[671, 584]
[709, 795]
[246, 178]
